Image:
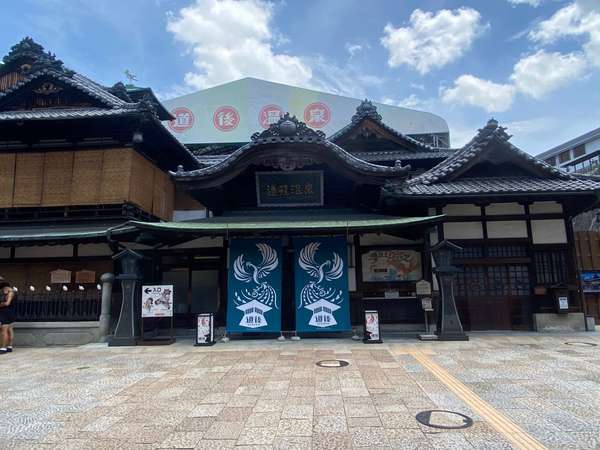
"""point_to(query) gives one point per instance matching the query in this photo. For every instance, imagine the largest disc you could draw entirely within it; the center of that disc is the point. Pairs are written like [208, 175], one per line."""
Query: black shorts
[6, 317]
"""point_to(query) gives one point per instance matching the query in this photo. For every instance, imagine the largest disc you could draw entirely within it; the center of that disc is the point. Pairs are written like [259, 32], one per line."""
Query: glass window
[564, 156]
[579, 151]
[551, 160]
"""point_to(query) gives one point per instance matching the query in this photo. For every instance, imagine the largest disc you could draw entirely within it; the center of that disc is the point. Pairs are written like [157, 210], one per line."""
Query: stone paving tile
[224, 430]
[257, 436]
[374, 437]
[330, 424]
[100, 397]
[263, 419]
[294, 427]
[182, 439]
[332, 441]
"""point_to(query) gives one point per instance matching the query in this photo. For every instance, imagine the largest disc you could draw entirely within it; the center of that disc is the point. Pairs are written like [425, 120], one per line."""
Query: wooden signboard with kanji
[60, 276]
[85, 276]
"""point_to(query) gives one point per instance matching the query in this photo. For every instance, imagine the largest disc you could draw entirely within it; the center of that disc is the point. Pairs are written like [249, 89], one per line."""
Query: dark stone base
[452, 337]
[122, 342]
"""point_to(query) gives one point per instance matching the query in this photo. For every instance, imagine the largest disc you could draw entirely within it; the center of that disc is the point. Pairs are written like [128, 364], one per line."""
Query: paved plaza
[522, 390]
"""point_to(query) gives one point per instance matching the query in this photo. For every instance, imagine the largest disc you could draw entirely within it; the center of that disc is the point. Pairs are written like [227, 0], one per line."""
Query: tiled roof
[402, 155]
[288, 130]
[366, 110]
[493, 185]
[491, 133]
[67, 113]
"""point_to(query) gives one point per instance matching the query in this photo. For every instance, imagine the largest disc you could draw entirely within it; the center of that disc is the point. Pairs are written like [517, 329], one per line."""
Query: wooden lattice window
[551, 267]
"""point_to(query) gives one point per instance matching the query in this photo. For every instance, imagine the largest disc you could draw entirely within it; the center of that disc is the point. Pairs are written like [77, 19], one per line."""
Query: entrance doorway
[197, 282]
[495, 297]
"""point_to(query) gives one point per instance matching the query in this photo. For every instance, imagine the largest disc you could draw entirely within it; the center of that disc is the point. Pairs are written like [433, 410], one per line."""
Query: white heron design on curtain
[247, 272]
[329, 270]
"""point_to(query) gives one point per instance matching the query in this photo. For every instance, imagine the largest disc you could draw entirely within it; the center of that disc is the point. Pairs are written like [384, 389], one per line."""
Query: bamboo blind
[159, 203]
[142, 182]
[588, 249]
[85, 177]
[7, 179]
[58, 175]
[87, 173]
[29, 177]
[116, 175]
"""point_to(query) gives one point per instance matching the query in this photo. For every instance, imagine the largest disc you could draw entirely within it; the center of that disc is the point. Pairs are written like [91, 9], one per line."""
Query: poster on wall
[590, 281]
[385, 265]
[254, 286]
[321, 284]
[157, 301]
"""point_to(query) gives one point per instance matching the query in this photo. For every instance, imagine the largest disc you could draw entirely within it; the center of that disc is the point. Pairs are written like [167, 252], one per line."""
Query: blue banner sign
[321, 284]
[254, 286]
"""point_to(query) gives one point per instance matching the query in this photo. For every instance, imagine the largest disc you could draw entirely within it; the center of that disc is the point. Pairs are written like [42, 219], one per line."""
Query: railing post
[107, 280]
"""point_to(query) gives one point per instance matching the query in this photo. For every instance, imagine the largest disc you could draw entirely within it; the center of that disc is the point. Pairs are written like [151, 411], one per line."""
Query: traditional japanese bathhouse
[301, 223]
[76, 158]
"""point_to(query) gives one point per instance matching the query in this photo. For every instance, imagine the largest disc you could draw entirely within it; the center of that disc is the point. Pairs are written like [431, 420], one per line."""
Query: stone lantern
[131, 276]
[449, 327]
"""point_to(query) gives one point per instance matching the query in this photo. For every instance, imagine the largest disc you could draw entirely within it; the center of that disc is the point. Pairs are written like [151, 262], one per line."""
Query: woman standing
[7, 316]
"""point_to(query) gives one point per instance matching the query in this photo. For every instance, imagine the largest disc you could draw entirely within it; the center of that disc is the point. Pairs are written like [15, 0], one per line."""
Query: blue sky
[532, 64]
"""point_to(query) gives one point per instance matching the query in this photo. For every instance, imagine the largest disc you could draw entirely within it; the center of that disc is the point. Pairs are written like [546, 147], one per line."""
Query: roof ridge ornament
[289, 127]
[366, 109]
[28, 49]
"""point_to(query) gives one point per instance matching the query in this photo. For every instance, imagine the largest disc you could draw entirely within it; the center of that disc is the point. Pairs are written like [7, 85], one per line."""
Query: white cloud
[534, 3]
[531, 126]
[231, 39]
[432, 40]
[470, 90]
[543, 72]
[353, 49]
[580, 18]
[412, 101]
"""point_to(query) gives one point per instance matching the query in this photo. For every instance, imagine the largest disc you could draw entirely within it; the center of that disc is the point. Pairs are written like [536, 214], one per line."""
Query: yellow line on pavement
[511, 431]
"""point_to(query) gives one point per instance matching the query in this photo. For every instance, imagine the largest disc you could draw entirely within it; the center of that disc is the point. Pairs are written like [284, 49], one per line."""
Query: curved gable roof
[367, 112]
[297, 139]
[473, 151]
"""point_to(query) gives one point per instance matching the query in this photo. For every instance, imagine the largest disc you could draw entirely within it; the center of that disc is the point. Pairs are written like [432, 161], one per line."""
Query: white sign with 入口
[157, 301]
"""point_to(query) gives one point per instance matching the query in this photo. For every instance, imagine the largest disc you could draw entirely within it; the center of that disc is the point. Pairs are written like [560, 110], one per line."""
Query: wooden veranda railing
[58, 306]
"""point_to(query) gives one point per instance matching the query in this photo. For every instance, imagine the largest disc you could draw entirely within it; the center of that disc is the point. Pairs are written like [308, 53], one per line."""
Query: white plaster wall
[94, 250]
[463, 230]
[180, 215]
[433, 238]
[592, 146]
[545, 207]
[507, 229]
[462, 209]
[49, 251]
[496, 209]
[549, 231]
[352, 279]
[203, 242]
[383, 239]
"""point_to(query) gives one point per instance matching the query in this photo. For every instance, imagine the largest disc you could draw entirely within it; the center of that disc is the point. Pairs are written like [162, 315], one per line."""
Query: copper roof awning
[235, 225]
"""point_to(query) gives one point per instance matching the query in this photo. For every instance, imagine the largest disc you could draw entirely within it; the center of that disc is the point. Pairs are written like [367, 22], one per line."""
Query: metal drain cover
[333, 363]
[446, 420]
[581, 344]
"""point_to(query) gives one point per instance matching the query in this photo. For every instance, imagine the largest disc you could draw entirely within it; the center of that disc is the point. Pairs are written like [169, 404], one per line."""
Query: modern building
[579, 155]
[291, 230]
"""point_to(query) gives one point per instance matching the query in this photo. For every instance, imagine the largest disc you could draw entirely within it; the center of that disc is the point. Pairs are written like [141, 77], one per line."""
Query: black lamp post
[449, 327]
[131, 276]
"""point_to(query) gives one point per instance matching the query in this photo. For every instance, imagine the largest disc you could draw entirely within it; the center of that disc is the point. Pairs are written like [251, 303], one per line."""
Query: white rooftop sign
[232, 112]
